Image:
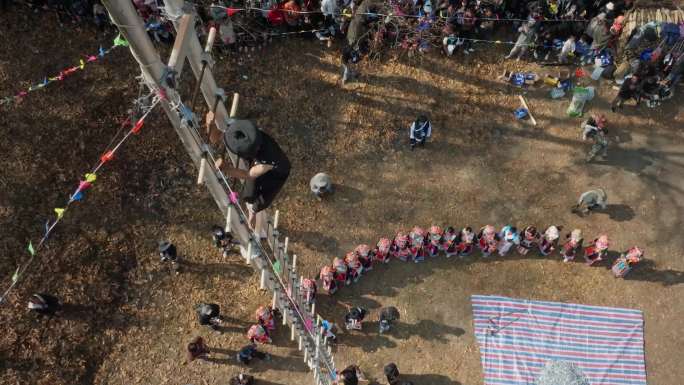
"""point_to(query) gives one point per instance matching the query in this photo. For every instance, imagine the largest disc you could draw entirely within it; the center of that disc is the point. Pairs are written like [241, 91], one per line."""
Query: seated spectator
[242, 379]
[44, 304]
[197, 349]
[209, 314]
[250, 352]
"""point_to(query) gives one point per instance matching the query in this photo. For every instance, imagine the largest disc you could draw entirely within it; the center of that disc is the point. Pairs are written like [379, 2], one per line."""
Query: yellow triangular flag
[60, 213]
[90, 178]
[82, 64]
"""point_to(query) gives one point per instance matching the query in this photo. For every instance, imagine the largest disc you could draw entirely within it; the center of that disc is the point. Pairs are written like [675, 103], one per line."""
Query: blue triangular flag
[102, 52]
[78, 196]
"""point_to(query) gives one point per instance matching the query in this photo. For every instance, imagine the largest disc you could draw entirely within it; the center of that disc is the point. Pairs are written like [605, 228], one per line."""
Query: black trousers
[261, 191]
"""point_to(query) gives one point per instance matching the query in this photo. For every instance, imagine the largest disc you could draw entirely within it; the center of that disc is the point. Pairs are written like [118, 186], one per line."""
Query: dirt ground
[127, 317]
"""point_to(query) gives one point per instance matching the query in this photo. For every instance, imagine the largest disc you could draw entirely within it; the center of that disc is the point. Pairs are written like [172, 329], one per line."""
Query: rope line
[90, 177]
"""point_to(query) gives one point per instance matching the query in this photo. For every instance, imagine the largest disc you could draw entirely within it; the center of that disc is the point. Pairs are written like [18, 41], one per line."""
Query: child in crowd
[596, 250]
[572, 245]
[328, 279]
[508, 238]
[381, 253]
[434, 244]
[341, 271]
[365, 256]
[400, 247]
[417, 236]
[487, 240]
[548, 240]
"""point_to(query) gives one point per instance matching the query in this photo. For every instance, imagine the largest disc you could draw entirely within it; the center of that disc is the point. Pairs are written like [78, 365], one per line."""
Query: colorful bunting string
[78, 195]
[19, 96]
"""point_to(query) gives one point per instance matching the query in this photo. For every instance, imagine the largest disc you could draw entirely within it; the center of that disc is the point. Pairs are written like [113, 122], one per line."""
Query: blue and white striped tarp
[518, 337]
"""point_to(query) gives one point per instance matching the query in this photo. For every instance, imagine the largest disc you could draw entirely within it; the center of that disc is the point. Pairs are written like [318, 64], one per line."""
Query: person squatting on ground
[268, 168]
[321, 185]
[354, 266]
[242, 379]
[250, 352]
[351, 375]
[630, 89]
[44, 304]
[168, 253]
[209, 314]
[265, 317]
[590, 201]
[196, 349]
[354, 318]
[387, 316]
[420, 131]
[594, 129]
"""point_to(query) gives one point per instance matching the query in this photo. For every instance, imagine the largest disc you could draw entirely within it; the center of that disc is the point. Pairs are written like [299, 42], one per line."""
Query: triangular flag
[90, 178]
[232, 11]
[45, 81]
[138, 126]
[15, 276]
[81, 64]
[59, 212]
[102, 52]
[120, 41]
[47, 227]
[107, 156]
[83, 185]
[30, 249]
[92, 58]
[276, 267]
[78, 196]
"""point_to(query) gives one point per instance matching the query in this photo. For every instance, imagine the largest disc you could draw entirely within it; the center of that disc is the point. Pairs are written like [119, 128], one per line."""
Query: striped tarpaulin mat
[518, 338]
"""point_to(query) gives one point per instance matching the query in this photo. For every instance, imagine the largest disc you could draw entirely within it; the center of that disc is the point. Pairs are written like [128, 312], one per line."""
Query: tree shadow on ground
[314, 240]
[291, 363]
[368, 339]
[428, 330]
[428, 379]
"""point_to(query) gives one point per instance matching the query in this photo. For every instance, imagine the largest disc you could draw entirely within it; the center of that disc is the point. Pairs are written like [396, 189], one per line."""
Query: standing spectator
[250, 352]
[168, 253]
[594, 129]
[524, 41]
[329, 10]
[100, 15]
[197, 349]
[420, 131]
[44, 304]
[392, 373]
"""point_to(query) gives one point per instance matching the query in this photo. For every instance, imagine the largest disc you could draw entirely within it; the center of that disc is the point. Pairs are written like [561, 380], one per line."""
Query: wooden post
[234, 106]
[292, 332]
[248, 257]
[300, 342]
[228, 216]
[275, 300]
[275, 220]
[262, 284]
